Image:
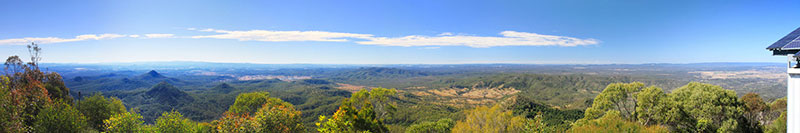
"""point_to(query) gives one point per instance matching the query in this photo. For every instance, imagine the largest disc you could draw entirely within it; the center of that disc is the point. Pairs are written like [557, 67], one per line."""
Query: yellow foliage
[493, 119]
[611, 122]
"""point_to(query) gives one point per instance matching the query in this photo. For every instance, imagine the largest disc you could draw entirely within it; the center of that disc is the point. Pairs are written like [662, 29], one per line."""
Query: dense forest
[376, 99]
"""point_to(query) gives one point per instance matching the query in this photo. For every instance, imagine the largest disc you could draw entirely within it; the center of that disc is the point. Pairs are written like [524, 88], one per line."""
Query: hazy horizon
[156, 62]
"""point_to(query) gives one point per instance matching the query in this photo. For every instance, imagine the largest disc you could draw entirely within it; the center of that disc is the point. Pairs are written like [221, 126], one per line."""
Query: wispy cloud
[159, 35]
[509, 38]
[282, 36]
[45, 40]
[430, 48]
[86, 37]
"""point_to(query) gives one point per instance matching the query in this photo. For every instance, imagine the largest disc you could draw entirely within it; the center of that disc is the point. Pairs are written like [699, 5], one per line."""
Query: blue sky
[399, 32]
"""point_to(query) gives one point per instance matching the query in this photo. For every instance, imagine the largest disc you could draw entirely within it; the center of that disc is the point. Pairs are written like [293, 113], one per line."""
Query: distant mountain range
[190, 65]
[112, 81]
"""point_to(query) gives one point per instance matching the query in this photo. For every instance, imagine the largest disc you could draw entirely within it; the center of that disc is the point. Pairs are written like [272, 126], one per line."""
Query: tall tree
[30, 90]
[358, 113]
[59, 117]
[379, 98]
[617, 96]
[775, 109]
[98, 108]
[653, 106]
[11, 119]
[755, 108]
[707, 108]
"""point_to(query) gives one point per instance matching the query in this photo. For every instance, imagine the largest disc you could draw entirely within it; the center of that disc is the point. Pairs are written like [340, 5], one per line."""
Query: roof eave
[784, 52]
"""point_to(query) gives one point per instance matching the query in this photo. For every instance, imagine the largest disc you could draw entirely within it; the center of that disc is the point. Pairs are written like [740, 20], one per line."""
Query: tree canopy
[495, 119]
[364, 111]
[271, 115]
[98, 108]
[441, 126]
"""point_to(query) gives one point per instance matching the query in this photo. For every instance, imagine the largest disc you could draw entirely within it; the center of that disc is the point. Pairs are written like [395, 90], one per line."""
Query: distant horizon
[156, 62]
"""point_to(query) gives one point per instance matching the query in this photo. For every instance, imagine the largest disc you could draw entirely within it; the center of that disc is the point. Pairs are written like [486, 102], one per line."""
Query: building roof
[788, 42]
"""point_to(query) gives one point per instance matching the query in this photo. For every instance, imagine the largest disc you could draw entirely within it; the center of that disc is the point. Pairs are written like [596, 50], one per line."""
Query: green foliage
[248, 103]
[617, 96]
[538, 125]
[706, 108]
[419, 110]
[204, 127]
[28, 94]
[274, 115]
[653, 106]
[730, 125]
[98, 108]
[377, 73]
[773, 114]
[379, 98]
[10, 119]
[442, 126]
[278, 118]
[493, 119]
[56, 88]
[696, 107]
[167, 94]
[30, 90]
[755, 109]
[234, 123]
[173, 122]
[612, 122]
[126, 122]
[335, 124]
[778, 104]
[777, 126]
[359, 114]
[565, 91]
[533, 110]
[163, 97]
[59, 117]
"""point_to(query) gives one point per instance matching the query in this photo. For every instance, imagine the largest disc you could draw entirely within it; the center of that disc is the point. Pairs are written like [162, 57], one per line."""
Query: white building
[789, 46]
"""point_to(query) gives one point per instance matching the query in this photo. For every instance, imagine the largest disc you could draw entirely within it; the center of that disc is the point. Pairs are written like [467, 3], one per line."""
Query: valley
[425, 92]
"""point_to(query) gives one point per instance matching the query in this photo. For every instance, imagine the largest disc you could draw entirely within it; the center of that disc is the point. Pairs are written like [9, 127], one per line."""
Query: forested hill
[424, 96]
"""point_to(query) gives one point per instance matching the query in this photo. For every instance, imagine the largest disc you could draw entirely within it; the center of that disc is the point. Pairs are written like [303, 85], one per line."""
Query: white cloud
[45, 40]
[282, 36]
[208, 30]
[159, 35]
[509, 38]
